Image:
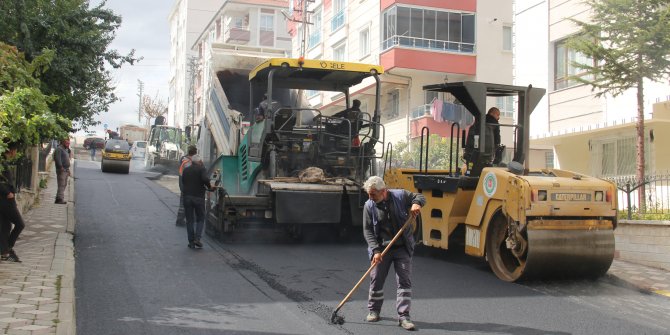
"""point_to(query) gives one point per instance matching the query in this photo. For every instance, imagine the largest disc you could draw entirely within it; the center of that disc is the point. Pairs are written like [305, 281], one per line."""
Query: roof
[320, 75]
[473, 94]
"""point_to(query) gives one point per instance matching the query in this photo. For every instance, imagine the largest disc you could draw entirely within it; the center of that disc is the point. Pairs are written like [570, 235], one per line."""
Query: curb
[616, 280]
[64, 266]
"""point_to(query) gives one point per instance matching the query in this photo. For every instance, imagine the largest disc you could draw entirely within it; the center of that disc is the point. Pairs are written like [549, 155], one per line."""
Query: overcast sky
[145, 29]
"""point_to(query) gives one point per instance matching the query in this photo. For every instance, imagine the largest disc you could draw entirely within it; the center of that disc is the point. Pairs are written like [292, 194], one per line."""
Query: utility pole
[192, 72]
[140, 89]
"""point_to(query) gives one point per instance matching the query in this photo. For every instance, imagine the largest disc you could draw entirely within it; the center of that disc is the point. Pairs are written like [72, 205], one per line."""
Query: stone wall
[644, 242]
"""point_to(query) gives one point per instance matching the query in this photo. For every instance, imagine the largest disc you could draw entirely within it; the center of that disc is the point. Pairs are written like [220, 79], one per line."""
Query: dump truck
[132, 133]
[294, 168]
[526, 223]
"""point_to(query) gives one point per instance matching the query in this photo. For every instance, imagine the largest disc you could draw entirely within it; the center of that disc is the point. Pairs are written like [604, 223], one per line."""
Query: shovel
[336, 319]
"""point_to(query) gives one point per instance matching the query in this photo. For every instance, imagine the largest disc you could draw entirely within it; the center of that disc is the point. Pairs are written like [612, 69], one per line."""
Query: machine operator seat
[475, 158]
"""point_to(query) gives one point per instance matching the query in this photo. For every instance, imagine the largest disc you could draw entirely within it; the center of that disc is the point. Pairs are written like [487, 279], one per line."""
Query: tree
[24, 113]
[153, 107]
[407, 156]
[628, 41]
[79, 36]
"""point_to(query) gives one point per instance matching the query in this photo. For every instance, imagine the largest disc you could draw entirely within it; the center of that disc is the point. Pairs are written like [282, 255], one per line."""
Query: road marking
[663, 292]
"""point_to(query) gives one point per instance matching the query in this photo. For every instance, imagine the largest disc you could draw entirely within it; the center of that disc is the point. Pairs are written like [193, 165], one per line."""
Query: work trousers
[9, 214]
[402, 264]
[194, 206]
[61, 179]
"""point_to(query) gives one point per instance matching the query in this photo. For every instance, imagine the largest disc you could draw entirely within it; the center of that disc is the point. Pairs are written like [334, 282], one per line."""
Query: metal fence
[22, 171]
[656, 204]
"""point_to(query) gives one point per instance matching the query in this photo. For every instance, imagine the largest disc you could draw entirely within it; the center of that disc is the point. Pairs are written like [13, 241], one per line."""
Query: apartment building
[187, 19]
[418, 42]
[586, 134]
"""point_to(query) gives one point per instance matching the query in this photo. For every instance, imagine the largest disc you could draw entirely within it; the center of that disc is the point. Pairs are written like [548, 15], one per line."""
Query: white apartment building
[588, 135]
[418, 42]
[187, 19]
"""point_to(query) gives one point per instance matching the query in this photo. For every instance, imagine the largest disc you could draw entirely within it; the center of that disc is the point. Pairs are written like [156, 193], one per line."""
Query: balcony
[419, 111]
[430, 44]
[236, 34]
[338, 21]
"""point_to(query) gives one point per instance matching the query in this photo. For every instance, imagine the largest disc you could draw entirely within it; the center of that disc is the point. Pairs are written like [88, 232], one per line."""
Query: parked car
[138, 149]
[97, 141]
[116, 156]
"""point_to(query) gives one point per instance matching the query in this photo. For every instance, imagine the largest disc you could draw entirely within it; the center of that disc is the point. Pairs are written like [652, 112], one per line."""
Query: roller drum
[568, 253]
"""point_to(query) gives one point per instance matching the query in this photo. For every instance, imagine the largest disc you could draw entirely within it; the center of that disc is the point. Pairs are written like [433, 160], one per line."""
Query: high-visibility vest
[186, 162]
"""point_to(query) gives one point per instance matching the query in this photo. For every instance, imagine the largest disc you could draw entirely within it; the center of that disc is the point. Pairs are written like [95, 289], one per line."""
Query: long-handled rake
[336, 319]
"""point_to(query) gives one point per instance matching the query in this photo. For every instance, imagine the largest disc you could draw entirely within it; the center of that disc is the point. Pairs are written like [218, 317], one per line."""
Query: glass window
[429, 97]
[506, 106]
[364, 42]
[338, 14]
[549, 159]
[394, 104]
[267, 22]
[423, 28]
[339, 52]
[507, 38]
[315, 28]
[565, 69]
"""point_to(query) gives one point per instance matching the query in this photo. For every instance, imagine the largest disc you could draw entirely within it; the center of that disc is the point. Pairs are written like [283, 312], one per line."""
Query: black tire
[501, 260]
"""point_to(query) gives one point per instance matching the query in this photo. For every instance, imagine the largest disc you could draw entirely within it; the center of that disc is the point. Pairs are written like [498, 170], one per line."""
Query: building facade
[187, 19]
[586, 134]
[418, 42]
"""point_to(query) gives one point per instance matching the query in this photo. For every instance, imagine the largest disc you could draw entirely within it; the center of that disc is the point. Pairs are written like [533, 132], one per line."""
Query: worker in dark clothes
[11, 222]
[383, 216]
[194, 184]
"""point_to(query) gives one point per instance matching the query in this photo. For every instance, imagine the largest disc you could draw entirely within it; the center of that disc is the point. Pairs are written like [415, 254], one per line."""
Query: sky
[145, 29]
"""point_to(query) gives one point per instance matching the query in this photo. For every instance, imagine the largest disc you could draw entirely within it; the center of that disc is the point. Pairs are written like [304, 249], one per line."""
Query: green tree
[24, 113]
[407, 156]
[629, 41]
[80, 36]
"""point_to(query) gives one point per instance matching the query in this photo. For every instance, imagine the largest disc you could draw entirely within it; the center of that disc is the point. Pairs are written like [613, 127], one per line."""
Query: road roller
[527, 223]
[116, 156]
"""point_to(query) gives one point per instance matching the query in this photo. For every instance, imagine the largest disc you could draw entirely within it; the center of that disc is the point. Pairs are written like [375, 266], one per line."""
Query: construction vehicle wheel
[502, 260]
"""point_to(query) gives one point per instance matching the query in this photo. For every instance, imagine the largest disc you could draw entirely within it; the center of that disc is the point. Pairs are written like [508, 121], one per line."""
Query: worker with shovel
[383, 217]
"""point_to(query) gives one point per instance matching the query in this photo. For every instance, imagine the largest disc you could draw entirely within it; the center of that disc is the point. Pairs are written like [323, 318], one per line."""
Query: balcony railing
[338, 21]
[430, 44]
[237, 34]
[419, 111]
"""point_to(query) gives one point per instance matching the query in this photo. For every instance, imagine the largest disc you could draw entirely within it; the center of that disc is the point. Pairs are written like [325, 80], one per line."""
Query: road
[135, 275]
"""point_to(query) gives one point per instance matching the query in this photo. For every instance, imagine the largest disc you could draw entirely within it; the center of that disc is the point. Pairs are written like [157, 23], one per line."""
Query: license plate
[571, 197]
[117, 156]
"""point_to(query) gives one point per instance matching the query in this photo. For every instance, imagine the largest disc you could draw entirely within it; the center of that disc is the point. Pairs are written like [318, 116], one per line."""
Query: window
[364, 42]
[506, 106]
[564, 68]
[339, 52]
[617, 157]
[549, 159]
[267, 28]
[315, 27]
[311, 93]
[507, 38]
[428, 29]
[429, 96]
[338, 14]
[394, 104]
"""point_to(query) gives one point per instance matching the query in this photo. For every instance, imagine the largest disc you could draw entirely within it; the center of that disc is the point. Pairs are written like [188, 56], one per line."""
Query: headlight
[542, 195]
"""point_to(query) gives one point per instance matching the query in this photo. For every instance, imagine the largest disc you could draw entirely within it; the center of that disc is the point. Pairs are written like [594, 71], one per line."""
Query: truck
[164, 148]
[133, 133]
[293, 168]
[527, 223]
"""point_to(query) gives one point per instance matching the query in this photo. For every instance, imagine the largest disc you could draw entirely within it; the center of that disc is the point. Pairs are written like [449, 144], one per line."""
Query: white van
[138, 149]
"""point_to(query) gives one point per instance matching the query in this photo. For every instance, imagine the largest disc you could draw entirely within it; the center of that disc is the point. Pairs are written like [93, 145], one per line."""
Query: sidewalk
[37, 295]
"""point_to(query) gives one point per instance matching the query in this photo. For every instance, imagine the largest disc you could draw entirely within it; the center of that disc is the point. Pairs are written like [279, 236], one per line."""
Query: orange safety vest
[186, 162]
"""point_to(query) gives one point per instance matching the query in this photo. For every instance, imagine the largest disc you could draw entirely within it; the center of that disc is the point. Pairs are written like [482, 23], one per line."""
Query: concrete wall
[644, 242]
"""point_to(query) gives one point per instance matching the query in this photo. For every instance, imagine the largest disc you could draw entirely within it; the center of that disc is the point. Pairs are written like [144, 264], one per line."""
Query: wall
[644, 242]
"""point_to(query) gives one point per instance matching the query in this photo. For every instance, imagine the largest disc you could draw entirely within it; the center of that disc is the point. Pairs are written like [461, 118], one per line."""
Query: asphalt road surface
[135, 275]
